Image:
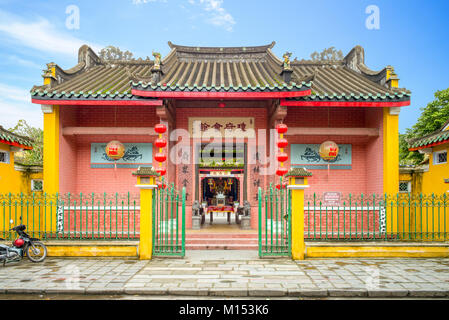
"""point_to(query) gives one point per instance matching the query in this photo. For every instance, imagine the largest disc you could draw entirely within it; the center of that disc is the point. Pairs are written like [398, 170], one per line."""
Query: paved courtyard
[230, 274]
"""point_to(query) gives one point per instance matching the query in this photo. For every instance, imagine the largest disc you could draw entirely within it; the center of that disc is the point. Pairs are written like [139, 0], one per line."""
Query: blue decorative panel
[136, 154]
[308, 156]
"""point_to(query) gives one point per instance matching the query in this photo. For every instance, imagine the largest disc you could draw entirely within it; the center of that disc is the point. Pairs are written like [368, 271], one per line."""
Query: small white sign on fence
[60, 219]
[383, 221]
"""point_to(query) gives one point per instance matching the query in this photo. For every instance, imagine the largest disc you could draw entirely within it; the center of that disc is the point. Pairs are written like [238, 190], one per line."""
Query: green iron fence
[402, 217]
[169, 222]
[274, 222]
[72, 216]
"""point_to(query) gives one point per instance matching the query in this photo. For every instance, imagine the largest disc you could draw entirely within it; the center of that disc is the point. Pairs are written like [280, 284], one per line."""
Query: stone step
[221, 235]
[222, 241]
[221, 247]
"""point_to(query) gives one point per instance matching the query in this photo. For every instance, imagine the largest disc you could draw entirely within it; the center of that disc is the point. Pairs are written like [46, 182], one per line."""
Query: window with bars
[4, 157]
[440, 157]
[405, 186]
[37, 185]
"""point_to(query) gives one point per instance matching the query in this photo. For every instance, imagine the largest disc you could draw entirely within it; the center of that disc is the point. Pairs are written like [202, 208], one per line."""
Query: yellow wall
[13, 181]
[433, 180]
[9, 178]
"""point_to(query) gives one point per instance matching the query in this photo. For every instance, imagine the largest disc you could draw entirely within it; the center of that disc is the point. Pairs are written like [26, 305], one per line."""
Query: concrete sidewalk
[230, 274]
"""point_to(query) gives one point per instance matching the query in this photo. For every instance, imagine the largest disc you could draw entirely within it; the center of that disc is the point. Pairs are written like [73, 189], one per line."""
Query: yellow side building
[17, 177]
[433, 175]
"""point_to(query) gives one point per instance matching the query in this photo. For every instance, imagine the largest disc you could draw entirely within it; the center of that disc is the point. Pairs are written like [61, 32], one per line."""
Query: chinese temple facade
[221, 106]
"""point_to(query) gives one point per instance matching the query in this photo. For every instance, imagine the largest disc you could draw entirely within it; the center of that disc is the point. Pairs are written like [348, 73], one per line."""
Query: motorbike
[35, 250]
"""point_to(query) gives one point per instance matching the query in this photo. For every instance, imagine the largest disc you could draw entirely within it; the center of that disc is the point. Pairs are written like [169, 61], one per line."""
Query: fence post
[146, 184]
[297, 184]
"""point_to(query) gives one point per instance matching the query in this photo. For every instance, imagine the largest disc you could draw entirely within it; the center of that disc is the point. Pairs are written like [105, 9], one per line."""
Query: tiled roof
[11, 138]
[238, 69]
[336, 81]
[222, 69]
[146, 171]
[437, 137]
[298, 172]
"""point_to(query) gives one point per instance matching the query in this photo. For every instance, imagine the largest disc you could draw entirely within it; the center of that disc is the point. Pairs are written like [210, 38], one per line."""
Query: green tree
[111, 53]
[34, 156]
[329, 54]
[432, 118]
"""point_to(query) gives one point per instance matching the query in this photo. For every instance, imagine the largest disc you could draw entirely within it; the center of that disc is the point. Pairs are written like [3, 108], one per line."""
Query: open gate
[274, 222]
[169, 222]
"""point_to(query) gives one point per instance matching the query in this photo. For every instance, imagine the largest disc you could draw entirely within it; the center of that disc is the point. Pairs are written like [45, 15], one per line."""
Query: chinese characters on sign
[331, 199]
[223, 127]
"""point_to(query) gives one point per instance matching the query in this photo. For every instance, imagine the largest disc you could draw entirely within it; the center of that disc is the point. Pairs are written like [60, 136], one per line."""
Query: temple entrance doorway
[221, 182]
[223, 221]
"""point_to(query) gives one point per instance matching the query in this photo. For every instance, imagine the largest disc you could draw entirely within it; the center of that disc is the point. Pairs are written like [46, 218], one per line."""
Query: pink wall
[76, 175]
[374, 152]
[366, 173]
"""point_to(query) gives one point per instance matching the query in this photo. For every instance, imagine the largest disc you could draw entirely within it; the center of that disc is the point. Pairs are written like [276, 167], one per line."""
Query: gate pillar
[297, 184]
[146, 184]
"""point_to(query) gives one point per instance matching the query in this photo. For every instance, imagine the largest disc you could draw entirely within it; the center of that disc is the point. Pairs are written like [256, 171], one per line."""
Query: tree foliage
[432, 118]
[111, 53]
[329, 54]
[36, 155]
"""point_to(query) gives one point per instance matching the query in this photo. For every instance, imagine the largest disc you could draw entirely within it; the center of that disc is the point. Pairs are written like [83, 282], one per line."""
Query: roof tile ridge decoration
[429, 138]
[393, 91]
[218, 87]
[317, 63]
[139, 61]
[218, 50]
[12, 137]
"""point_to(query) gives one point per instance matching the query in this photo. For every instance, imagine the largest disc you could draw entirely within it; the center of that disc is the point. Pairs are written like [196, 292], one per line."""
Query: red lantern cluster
[160, 143]
[281, 143]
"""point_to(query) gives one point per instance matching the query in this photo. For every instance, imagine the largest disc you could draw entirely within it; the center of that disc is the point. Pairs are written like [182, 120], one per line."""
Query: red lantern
[328, 150]
[282, 143]
[281, 171]
[115, 150]
[160, 128]
[160, 143]
[160, 157]
[282, 157]
[281, 128]
[161, 171]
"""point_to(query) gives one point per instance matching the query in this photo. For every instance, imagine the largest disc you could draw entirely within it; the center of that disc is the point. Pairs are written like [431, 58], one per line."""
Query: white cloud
[40, 35]
[14, 93]
[137, 2]
[13, 60]
[217, 15]
[15, 104]
[11, 113]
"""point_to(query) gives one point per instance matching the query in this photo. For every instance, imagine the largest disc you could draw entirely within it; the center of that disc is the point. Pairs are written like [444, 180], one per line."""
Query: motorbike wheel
[38, 253]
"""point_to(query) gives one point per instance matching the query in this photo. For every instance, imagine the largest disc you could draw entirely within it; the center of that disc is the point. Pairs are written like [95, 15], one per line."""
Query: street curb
[237, 292]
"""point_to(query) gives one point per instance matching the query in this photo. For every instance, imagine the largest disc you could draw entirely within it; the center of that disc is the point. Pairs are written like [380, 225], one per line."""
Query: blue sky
[412, 37]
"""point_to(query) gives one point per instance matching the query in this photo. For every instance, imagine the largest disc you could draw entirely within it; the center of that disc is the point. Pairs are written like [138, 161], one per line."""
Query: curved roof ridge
[218, 50]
